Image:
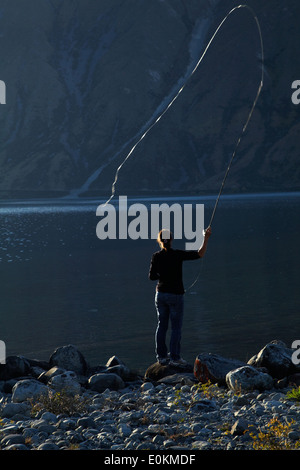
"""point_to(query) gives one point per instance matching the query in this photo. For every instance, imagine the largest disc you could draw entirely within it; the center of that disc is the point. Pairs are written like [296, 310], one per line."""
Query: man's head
[165, 238]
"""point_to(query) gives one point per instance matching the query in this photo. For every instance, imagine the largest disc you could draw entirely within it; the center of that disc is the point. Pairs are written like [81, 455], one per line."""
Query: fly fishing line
[180, 91]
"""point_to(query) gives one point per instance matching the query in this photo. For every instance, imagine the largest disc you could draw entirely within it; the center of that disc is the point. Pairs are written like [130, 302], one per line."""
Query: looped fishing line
[179, 92]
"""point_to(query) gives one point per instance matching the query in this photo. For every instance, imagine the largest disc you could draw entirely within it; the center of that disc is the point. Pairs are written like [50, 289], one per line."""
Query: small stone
[197, 427]
[48, 446]
[86, 422]
[11, 409]
[124, 430]
[201, 445]
[147, 386]
[16, 447]
[13, 439]
[239, 427]
[294, 435]
[49, 417]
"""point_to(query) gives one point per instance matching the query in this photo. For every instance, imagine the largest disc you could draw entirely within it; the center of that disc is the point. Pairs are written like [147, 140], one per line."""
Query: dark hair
[163, 235]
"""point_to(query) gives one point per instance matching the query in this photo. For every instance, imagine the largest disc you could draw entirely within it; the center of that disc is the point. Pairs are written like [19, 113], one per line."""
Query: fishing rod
[251, 110]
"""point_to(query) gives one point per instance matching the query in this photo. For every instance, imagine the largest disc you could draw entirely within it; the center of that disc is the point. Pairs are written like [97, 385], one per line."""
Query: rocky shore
[215, 404]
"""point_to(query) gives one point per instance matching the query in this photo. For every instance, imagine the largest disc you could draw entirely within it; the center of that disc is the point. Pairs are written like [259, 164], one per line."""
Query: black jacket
[166, 267]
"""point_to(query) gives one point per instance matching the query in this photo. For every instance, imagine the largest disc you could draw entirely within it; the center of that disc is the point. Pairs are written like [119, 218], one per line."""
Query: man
[166, 267]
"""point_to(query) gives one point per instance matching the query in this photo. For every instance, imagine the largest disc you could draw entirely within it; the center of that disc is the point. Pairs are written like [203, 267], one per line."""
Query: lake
[61, 285]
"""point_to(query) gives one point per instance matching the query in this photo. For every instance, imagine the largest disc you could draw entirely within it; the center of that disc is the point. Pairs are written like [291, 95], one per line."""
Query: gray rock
[214, 368]
[239, 427]
[114, 361]
[201, 445]
[248, 378]
[121, 370]
[204, 405]
[158, 371]
[49, 417]
[30, 433]
[11, 409]
[43, 426]
[12, 439]
[124, 430]
[294, 435]
[86, 422]
[103, 381]
[67, 382]
[16, 447]
[15, 366]
[28, 389]
[67, 424]
[69, 358]
[48, 446]
[10, 429]
[276, 357]
[147, 386]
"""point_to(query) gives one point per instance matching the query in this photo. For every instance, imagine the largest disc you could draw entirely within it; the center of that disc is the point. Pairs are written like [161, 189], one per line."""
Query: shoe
[163, 361]
[178, 362]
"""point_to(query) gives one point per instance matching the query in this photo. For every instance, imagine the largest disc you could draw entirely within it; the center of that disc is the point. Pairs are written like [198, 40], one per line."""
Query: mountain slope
[85, 79]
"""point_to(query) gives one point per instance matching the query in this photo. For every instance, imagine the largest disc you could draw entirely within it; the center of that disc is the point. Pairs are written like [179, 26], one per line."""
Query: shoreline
[112, 408]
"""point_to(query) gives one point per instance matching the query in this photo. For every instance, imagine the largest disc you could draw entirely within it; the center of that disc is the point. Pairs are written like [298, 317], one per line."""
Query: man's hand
[202, 250]
[207, 232]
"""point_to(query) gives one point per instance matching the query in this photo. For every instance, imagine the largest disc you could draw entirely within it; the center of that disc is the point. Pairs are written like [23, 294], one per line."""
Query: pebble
[148, 416]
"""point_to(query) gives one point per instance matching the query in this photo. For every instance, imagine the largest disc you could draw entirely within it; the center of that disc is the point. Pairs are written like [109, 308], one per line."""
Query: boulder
[67, 382]
[16, 366]
[11, 439]
[102, 381]
[28, 389]
[214, 368]
[114, 361]
[123, 371]
[69, 358]
[11, 409]
[276, 357]
[247, 378]
[157, 371]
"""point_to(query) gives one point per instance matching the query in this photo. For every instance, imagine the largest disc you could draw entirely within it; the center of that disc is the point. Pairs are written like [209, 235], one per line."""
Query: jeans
[168, 306]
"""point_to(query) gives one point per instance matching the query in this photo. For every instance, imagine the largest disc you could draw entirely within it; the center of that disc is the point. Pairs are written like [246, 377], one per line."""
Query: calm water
[61, 285]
